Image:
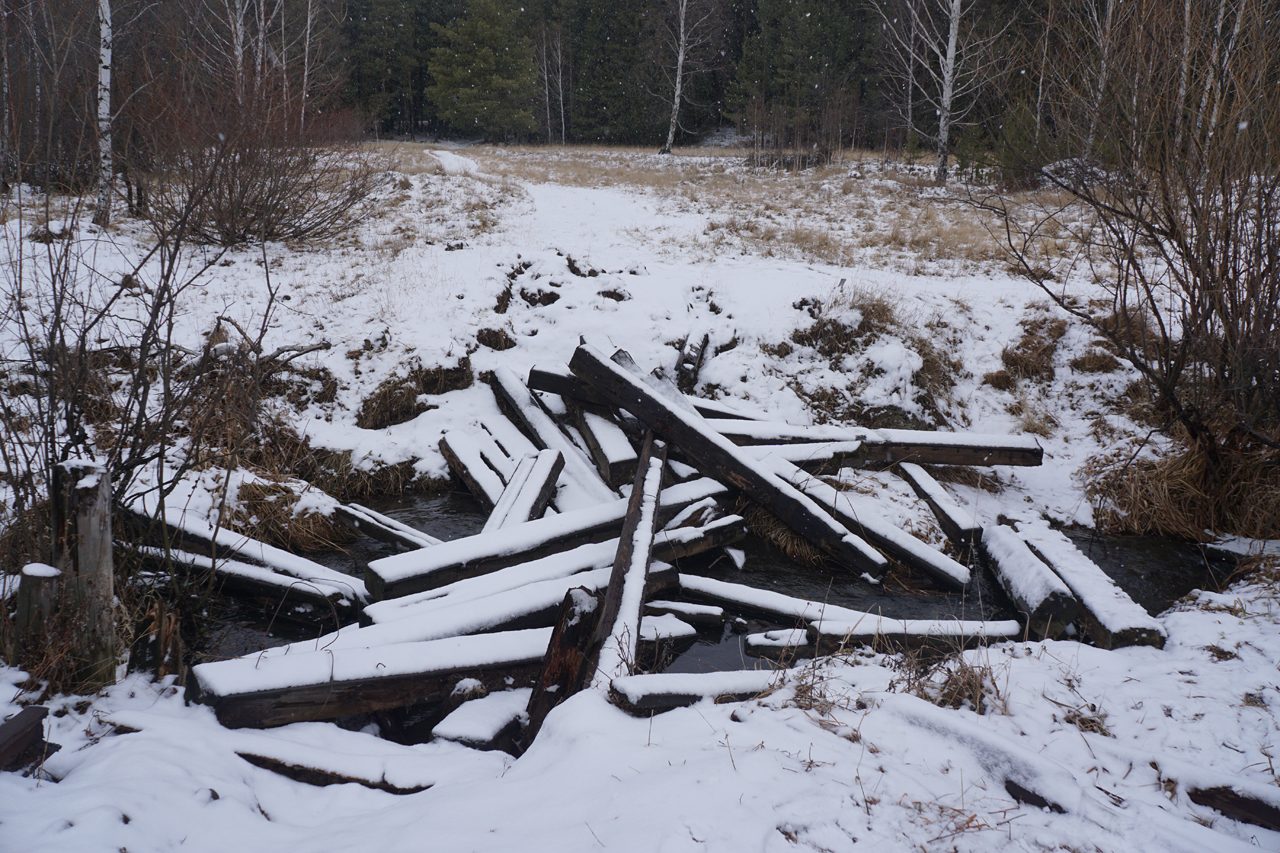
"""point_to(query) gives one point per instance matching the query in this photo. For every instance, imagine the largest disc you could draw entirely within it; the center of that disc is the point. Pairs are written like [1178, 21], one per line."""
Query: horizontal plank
[961, 527]
[652, 693]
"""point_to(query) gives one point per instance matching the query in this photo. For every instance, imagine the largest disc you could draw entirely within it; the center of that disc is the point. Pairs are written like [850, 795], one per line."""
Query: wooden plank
[658, 692]
[830, 636]
[822, 457]
[1111, 618]
[566, 665]
[471, 556]
[885, 447]
[861, 515]
[384, 528]
[698, 615]
[1043, 600]
[579, 475]
[959, 526]
[689, 364]
[466, 460]
[780, 644]
[740, 598]
[275, 689]
[561, 381]
[607, 443]
[618, 628]
[717, 456]
[20, 737]
[529, 492]
[1236, 804]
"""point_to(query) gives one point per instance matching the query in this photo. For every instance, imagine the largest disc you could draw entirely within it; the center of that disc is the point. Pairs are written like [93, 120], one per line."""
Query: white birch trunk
[947, 95]
[106, 167]
[682, 47]
[306, 67]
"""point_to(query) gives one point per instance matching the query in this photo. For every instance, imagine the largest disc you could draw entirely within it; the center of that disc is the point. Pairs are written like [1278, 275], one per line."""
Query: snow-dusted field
[638, 251]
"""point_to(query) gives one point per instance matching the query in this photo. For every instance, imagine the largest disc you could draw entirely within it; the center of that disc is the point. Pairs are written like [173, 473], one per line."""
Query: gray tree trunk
[81, 493]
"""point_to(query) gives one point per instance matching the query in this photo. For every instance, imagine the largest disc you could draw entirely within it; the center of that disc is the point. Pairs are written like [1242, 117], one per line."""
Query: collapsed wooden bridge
[601, 479]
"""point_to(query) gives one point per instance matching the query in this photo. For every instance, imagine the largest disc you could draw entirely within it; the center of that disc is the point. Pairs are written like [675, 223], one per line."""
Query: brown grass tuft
[1032, 357]
[396, 399]
[267, 511]
[1095, 362]
[770, 528]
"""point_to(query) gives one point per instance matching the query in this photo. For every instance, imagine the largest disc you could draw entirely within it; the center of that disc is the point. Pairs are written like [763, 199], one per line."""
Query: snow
[481, 720]
[708, 684]
[456, 164]
[779, 638]
[40, 570]
[785, 606]
[879, 626]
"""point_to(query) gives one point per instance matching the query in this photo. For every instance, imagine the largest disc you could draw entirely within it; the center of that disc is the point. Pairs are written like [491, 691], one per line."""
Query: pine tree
[484, 78]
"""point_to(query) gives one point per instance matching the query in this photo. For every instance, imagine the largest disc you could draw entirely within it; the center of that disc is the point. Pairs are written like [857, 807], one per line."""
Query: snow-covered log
[689, 364]
[489, 722]
[885, 634]
[274, 689]
[21, 736]
[652, 693]
[960, 526]
[718, 457]
[384, 528]
[569, 654]
[779, 644]
[471, 556]
[1111, 618]
[739, 598]
[562, 381]
[529, 491]
[1040, 596]
[698, 615]
[610, 448]
[470, 457]
[862, 516]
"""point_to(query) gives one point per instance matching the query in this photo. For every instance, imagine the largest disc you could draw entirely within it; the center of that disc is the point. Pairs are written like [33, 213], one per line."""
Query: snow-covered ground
[841, 757]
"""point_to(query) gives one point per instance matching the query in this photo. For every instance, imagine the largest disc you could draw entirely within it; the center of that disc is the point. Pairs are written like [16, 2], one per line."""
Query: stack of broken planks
[600, 480]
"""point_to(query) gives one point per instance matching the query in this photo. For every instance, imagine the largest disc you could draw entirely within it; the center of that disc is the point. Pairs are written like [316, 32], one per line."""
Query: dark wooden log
[80, 492]
[570, 387]
[529, 493]
[22, 738]
[959, 526]
[383, 528]
[565, 668]
[689, 365]
[718, 457]
[607, 443]
[321, 776]
[471, 556]
[467, 462]
[894, 635]
[618, 628]
[37, 598]
[263, 691]
[651, 694]
[516, 402]
[1040, 596]
[1238, 805]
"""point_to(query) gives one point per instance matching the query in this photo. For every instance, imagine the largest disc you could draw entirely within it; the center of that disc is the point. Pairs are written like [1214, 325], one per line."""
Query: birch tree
[106, 166]
[938, 50]
[688, 31]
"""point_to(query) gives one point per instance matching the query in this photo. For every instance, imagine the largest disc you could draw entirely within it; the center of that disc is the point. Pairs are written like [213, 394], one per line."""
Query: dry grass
[954, 680]
[770, 528]
[268, 511]
[1181, 494]
[397, 398]
[1097, 361]
[1031, 358]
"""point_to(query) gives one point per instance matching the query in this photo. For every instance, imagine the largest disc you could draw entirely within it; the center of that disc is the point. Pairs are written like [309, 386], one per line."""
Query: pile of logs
[601, 480]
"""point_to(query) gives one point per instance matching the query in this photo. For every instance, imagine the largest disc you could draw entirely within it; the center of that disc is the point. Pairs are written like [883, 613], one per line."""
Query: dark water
[1155, 572]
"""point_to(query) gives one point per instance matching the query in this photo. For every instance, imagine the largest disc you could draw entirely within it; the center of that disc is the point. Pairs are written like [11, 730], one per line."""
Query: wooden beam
[471, 556]
[692, 354]
[529, 493]
[21, 736]
[959, 526]
[658, 692]
[383, 528]
[718, 457]
[1039, 595]
[618, 628]
[80, 501]
[271, 690]
[570, 387]
[830, 636]
[566, 665]
[466, 459]
[607, 443]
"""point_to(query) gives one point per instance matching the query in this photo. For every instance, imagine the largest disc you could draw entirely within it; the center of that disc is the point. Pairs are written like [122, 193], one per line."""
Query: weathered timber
[780, 644]
[308, 602]
[471, 556]
[22, 738]
[37, 597]
[654, 693]
[829, 636]
[689, 364]
[181, 531]
[861, 516]
[463, 454]
[607, 443]
[698, 615]
[310, 774]
[740, 598]
[718, 457]
[960, 527]
[1110, 617]
[566, 665]
[80, 494]
[1040, 596]
[271, 690]
[516, 401]
[885, 447]
[618, 628]
[823, 457]
[383, 527]
[668, 545]
[570, 387]
[529, 492]
[492, 721]
[1238, 804]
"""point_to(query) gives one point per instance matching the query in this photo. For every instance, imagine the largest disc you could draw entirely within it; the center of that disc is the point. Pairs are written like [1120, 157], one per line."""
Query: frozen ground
[638, 251]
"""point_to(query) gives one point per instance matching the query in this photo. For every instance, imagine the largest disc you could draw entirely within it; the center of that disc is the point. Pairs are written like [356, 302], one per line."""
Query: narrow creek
[1156, 572]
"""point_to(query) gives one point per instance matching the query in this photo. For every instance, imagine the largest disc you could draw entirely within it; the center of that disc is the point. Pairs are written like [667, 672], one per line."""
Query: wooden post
[81, 502]
[564, 668]
[37, 594]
